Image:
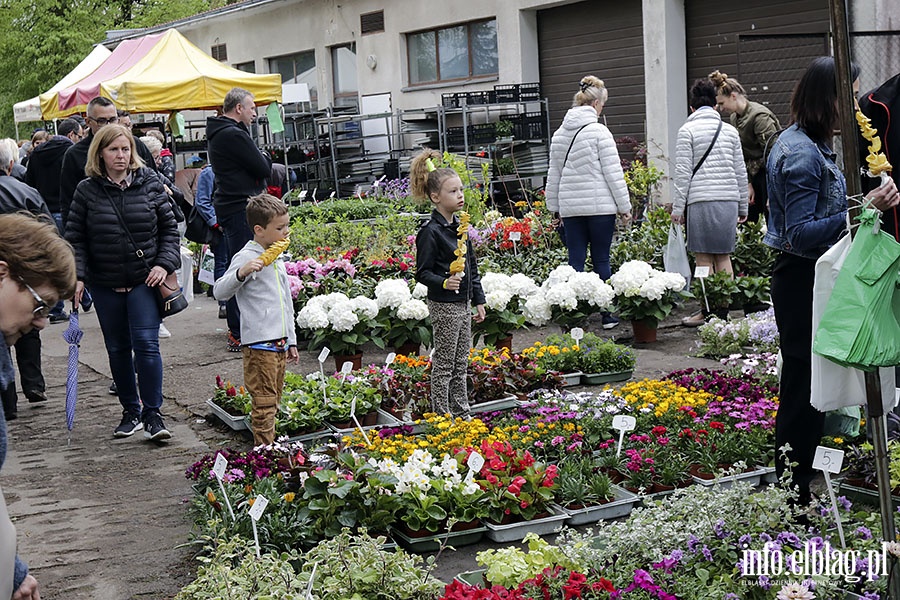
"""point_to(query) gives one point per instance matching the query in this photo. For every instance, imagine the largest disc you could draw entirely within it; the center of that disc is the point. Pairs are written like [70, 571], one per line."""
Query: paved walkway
[106, 519]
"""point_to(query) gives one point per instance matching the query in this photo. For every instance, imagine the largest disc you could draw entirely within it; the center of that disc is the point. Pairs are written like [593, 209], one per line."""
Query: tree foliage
[42, 40]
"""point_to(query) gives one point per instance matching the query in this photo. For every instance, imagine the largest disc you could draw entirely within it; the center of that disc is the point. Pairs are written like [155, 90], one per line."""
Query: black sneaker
[113, 390]
[155, 429]
[131, 423]
[60, 317]
[223, 313]
[609, 321]
[36, 396]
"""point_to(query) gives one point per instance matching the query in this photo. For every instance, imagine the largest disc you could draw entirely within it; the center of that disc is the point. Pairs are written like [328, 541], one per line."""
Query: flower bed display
[720, 338]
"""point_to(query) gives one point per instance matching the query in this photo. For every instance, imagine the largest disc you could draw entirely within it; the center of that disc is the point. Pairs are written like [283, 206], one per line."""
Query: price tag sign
[475, 462]
[356, 421]
[577, 334]
[389, 359]
[220, 466]
[302, 195]
[323, 355]
[515, 236]
[624, 422]
[701, 272]
[828, 459]
[346, 368]
[259, 507]
[332, 194]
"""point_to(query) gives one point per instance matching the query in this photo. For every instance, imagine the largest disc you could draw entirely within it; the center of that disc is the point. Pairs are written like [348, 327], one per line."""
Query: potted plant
[753, 293]
[604, 361]
[567, 297]
[230, 404]
[504, 130]
[562, 357]
[403, 319]
[342, 324]
[645, 296]
[505, 297]
[716, 292]
[587, 495]
[641, 180]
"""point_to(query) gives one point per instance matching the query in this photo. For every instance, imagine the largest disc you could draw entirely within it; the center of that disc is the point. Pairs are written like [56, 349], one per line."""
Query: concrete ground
[106, 519]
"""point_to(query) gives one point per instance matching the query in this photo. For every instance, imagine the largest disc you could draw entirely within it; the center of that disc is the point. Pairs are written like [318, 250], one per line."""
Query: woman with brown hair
[126, 243]
[756, 125]
[37, 269]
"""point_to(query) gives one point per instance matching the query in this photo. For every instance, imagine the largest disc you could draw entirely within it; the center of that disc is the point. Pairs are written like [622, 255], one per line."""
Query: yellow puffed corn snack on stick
[459, 264]
[876, 160]
[274, 251]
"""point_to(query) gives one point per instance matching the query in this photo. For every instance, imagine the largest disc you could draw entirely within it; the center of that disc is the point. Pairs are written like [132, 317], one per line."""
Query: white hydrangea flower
[522, 285]
[497, 299]
[420, 291]
[342, 316]
[365, 307]
[590, 288]
[674, 281]
[312, 317]
[560, 274]
[491, 282]
[537, 310]
[653, 289]
[492, 216]
[391, 293]
[562, 295]
[413, 310]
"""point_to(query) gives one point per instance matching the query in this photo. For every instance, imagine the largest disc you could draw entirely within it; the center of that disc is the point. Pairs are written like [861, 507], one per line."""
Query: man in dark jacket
[880, 105]
[16, 196]
[241, 170]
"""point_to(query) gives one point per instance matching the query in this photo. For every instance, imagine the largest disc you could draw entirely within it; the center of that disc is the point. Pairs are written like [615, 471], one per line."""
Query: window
[343, 63]
[298, 68]
[246, 67]
[219, 52]
[453, 53]
[372, 22]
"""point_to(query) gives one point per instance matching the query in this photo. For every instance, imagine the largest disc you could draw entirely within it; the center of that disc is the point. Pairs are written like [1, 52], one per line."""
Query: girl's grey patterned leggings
[452, 326]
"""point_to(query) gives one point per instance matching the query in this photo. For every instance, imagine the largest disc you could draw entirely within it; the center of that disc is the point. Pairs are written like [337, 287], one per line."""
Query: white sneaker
[163, 332]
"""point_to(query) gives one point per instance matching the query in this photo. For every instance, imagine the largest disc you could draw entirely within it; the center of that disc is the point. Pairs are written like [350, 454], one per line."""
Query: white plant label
[259, 507]
[515, 236]
[431, 354]
[353, 406]
[389, 359]
[323, 355]
[332, 194]
[828, 459]
[475, 462]
[577, 334]
[624, 422]
[220, 466]
[309, 584]
[346, 368]
[701, 272]
[356, 421]
[303, 195]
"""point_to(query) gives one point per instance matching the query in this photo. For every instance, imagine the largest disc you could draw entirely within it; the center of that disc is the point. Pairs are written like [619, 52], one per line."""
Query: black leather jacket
[435, 244]
[16, 196]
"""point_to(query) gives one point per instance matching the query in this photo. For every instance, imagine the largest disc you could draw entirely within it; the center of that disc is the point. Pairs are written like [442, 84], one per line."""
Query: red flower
[717, 425]
[603, 584]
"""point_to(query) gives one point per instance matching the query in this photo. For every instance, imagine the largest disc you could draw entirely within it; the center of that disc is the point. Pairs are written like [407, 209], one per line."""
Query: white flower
[497, 299]
[365, 306]
[653, 289]
[562, 295]
[674, 281]
[420, 291]
[537, 310]
[312, 317]
[491, 282]
[522, 285]
[413, 310]
[391, 293]
[342, 316]
[893, 548]
[590, 288]
[492, 215]
[560, 274]
[795, 591]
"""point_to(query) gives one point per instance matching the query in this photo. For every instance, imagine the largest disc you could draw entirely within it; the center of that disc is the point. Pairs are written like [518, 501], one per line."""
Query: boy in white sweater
[260, 285]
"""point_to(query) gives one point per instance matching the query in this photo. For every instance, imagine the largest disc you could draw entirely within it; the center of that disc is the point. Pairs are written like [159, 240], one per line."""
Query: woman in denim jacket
[807, 215]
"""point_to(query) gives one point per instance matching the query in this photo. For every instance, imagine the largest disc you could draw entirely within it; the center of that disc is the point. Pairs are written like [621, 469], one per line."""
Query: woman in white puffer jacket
[710, 196]
[585, 183]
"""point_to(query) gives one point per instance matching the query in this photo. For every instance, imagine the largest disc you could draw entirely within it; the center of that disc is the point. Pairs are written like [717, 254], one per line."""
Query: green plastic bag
[859, 328]
[843, 422]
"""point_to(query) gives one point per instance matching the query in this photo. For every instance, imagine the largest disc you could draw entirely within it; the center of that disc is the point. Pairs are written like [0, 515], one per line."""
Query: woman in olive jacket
[126, 242]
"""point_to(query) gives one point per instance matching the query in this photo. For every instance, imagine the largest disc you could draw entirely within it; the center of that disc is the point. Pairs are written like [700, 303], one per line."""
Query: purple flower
[693, 542]
[863, 532]
[707, 553]
[719, 529]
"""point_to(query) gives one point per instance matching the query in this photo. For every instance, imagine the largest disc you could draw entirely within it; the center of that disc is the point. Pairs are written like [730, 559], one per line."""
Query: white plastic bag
[675, 256]
[834, 386]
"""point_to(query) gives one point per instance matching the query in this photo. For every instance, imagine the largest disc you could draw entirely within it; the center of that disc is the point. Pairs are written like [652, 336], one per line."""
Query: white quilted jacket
[722, 176]
[591, 180]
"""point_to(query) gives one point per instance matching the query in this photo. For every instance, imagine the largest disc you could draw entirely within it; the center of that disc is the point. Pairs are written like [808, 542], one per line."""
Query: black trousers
[760, 198]
[28, 358]
[797, 422]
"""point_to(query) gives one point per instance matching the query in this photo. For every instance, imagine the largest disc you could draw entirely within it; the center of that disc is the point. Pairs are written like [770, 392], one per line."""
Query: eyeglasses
[102, 122]
[42, 310]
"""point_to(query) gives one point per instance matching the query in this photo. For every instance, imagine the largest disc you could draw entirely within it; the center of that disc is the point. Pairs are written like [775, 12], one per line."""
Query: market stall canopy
[159, 73]
[30, 110]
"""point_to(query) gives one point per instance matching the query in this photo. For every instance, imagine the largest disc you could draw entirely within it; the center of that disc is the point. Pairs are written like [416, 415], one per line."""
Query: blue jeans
[130, 324]
[237, 234]
[596, 230]
[218, 247]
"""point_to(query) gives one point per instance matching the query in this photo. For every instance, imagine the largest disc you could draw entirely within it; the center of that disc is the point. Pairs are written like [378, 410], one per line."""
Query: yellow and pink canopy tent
[159, 72]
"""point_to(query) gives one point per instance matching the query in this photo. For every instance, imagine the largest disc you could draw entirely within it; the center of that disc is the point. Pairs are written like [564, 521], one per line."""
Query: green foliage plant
[720, 289]
[582, 484]
[510, 566]
[645, 242]
[751, 256]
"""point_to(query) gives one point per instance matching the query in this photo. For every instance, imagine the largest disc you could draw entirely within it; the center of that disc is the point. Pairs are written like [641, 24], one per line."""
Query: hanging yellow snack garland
[876, 161]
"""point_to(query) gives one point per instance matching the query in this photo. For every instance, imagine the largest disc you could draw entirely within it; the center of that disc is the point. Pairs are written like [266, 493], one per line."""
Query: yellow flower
[838, 440]
[210, 497]
[289, 497]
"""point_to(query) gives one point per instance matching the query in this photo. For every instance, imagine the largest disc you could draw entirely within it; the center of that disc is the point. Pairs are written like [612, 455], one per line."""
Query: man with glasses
[16, 196]
[43, 173]
[240, 170]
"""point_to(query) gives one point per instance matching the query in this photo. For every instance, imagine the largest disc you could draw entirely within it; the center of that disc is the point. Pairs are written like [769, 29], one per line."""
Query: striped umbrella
[72, 335]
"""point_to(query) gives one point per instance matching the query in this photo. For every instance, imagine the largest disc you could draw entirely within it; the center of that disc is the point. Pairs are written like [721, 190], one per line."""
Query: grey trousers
[452, 326]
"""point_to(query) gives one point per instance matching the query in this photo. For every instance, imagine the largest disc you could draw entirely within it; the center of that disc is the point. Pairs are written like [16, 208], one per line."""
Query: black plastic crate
[481, 134]
[506, 93]
[450, 100]
[455, 136]
[518, 121]
[535, 126]
[480, 97]
[529, 91]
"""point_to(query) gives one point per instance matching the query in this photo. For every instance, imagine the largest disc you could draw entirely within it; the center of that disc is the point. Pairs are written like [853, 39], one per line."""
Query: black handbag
[196, 229]
[169, 297]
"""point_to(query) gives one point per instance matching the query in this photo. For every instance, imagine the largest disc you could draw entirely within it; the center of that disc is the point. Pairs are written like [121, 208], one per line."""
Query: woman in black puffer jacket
[120, 192]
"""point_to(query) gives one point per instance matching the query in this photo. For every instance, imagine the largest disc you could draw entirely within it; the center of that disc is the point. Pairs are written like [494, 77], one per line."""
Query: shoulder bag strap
[137, 251]
[708, 150]
[566, 159]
